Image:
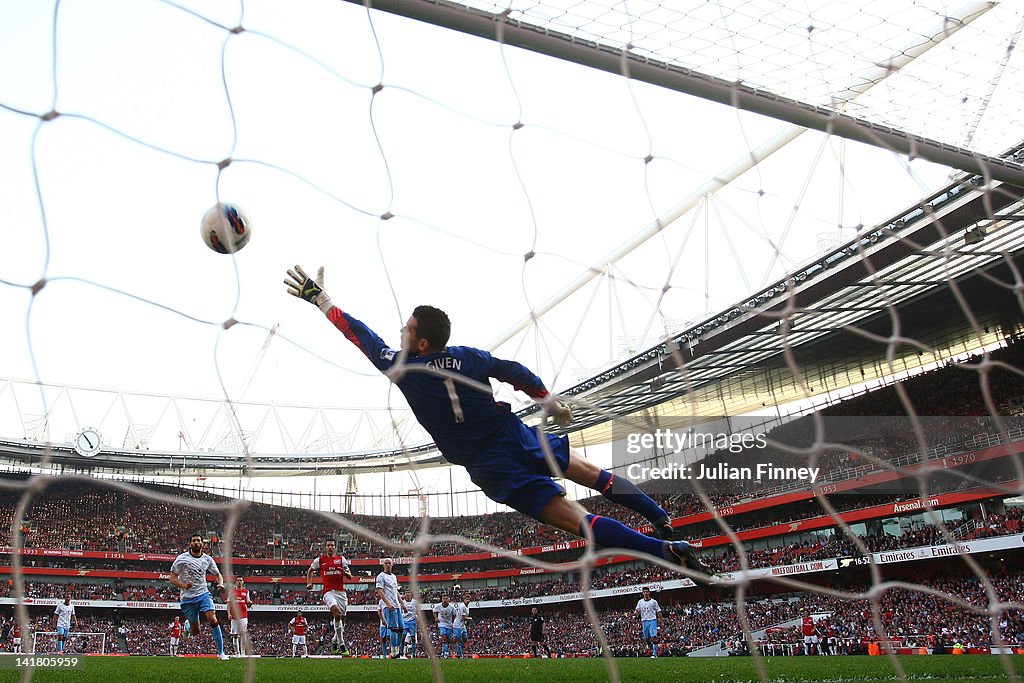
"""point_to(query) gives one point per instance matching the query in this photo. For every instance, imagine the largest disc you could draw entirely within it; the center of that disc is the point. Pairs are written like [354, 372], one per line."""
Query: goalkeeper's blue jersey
[460, 418]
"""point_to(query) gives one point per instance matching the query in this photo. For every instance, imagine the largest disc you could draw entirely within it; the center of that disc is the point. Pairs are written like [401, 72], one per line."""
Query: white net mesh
[655, 258]
[827, 55]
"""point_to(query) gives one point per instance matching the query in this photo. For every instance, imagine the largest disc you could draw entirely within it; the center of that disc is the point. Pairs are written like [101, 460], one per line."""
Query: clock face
[88, 442]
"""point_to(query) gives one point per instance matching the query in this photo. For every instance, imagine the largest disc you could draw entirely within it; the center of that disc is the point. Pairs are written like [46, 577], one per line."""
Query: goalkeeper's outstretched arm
[366, 340]
[383, 357]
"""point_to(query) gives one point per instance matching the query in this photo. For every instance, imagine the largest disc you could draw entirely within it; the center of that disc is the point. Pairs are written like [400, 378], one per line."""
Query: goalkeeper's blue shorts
[511, 468]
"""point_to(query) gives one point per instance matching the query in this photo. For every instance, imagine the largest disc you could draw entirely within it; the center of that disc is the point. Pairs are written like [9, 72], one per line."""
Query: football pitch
[935, 669]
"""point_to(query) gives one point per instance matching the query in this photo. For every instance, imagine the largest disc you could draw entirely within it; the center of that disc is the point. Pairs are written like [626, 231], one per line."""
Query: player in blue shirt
[503, 456]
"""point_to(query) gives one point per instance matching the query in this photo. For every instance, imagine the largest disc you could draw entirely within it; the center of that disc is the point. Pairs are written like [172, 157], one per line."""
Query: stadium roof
[836, 316]
[783, 62]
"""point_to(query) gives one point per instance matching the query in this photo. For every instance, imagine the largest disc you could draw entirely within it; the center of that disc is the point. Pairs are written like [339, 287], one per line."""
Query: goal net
[75, 643]
[770, 255]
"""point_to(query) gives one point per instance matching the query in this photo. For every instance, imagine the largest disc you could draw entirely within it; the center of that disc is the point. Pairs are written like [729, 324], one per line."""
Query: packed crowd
[566, 632]
[907, 616]
[84, 517]
[915, 618]
[631, 573]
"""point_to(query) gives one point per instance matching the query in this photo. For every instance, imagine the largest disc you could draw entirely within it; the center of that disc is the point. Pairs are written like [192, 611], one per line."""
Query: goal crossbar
[612, 59]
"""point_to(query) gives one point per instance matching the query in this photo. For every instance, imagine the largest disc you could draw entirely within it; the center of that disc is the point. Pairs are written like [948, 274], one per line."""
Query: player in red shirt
[175, 629]
[810, 636]
[298, 629]
[16, 635]
[239, 606]
[334, 569]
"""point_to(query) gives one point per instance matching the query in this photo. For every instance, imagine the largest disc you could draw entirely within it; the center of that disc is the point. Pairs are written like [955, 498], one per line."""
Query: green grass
[935, 669]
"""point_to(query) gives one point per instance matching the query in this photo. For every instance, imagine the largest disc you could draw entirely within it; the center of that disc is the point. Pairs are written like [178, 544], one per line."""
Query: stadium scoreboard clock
[88, 442]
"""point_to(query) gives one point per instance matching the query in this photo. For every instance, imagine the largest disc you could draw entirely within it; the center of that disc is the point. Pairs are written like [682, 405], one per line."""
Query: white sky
[124, 182]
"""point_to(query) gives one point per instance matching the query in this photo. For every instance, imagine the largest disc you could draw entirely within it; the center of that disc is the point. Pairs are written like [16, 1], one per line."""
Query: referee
[537, 633]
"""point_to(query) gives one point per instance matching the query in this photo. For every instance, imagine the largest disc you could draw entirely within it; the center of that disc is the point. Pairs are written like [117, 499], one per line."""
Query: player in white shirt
[189, 573]
[65, 616]
[459, 632]
[410, 606]
[444, 615]
[649, 610]
[387, 592]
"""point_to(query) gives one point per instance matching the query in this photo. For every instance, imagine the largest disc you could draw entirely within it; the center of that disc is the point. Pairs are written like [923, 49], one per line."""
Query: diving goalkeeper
[503, 456]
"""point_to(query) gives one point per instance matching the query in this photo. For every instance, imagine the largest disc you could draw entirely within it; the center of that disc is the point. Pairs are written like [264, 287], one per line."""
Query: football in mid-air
[225, 228]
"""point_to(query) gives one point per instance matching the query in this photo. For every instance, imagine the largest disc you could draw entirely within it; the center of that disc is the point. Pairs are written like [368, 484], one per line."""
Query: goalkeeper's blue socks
[444, 649]
[609, 533]
[458, 647]
[218, 639]
[60, 646]
[384, 647]
[624, 492]
[654, 650]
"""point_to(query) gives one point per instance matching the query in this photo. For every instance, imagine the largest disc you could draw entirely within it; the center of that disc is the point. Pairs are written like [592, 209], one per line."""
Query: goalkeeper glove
[561, 413]
[301, 285]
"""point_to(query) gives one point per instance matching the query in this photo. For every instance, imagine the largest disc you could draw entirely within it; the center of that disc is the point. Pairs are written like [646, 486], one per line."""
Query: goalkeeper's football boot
[686, 555]
[663, 529]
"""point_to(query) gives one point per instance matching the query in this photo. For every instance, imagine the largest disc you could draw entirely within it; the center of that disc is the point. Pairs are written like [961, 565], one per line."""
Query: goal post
[76, 642]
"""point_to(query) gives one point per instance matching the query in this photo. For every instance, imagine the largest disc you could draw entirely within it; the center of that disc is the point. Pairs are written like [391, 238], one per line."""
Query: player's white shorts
[17, 643]
[174, 642]
[298, 640]
[339, 598]
[811, 639]
[239, 626]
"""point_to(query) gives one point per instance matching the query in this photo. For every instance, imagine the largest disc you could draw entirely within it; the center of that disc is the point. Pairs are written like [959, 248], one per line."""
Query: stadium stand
[109, 551]
[910, 618]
